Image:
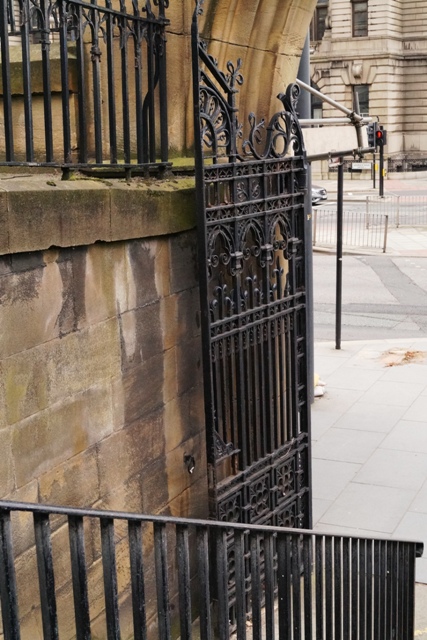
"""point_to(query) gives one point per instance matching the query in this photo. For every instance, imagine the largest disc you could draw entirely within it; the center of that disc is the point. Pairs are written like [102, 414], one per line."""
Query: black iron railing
[83, 82]
[168, 578]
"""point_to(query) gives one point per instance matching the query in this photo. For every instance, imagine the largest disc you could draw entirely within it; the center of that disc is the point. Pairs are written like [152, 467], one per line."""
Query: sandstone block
[73, 483]
[170, 387]
[22, 522]
[189, 364]
[7, 480]
[82, 218]
[183, 258]
[178, 477]
[49, 438]
[142, 389]
[36, 294]
[125, 453]
[166, 207]
[141, 335]
[4, 224]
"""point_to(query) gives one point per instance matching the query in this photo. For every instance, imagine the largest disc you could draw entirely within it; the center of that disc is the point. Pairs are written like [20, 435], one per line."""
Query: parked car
[318, 194]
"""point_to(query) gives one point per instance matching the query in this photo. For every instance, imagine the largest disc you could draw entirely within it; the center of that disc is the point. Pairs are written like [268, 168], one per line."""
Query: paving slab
[347, 445]
[418, 409]
[372, 508]
[366, 416]
[407, 436]
[394, 393]
[394, 468]
[331, 477]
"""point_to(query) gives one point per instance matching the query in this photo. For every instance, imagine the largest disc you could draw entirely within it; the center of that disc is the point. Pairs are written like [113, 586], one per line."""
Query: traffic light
[380, 137]
[371, 130]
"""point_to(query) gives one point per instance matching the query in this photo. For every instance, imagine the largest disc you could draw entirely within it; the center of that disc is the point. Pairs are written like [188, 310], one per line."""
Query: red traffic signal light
[380, 137]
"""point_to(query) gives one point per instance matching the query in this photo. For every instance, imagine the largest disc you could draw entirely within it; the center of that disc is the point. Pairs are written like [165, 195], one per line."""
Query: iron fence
[409, 211]
[84, 82]
[168, 577]
[360, 230]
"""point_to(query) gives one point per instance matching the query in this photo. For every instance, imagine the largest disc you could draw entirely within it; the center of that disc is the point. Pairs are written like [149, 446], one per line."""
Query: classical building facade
[376, 50]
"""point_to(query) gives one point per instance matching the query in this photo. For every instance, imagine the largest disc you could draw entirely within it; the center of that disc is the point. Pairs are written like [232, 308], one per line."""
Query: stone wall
[100, 366]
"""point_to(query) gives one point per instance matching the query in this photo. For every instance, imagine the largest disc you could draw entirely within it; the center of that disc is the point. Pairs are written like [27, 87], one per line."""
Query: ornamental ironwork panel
[251, 190]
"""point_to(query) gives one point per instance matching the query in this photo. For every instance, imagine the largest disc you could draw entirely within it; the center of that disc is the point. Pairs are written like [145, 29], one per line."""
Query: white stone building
[377, 49]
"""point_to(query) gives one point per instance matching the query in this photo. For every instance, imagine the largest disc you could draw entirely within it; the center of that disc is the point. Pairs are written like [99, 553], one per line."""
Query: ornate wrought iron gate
[251, 188]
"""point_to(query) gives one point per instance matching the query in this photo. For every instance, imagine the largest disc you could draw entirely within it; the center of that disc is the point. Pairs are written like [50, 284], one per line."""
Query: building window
[360, 18]
[318, 23]
[362, 93]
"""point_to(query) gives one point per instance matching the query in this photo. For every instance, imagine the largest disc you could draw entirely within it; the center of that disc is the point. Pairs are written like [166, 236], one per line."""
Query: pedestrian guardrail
[85, 573]
[410, 211]
[360, 230]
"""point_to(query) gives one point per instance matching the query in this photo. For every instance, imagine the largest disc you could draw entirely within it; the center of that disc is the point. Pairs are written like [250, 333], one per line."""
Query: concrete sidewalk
[369, 434]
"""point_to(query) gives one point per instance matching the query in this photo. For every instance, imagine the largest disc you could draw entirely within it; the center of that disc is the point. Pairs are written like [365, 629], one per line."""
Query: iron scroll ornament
[251, 189]
[221, 129]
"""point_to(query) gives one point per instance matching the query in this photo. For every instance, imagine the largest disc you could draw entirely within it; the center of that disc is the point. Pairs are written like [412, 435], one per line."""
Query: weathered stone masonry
[100, 365]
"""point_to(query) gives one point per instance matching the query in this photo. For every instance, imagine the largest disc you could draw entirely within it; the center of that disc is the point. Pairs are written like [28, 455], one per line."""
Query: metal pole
[304, 110]
[374, 181]
[381, 192]
[338, 305]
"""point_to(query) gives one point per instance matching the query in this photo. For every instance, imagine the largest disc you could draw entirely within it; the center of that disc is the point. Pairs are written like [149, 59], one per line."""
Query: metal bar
[412, 555]
[111, 85]
[307, 551]
[362, 589]
[239, 572]
[8, 592]
[222, 584]
[47, 97]
[137, 581]
[204, 580]
[339, 154]
[269, 586]
[346, 590]
[81, 88]
[319, 563]
[354, 589]
[381, 188]
[296, 588]
[369, 589]
[138, 92]
[65, 81]
[110, 578]
[151, 128]
[329, 100]
[26, 81]
[46, 575]
[162, 581]
[7, 89]
[164, 142]
[96, 53]
[125, 89]
[183, 564]
[328, 587]
[338, 307]
[284, 586]
[338, 606]
[79, 575]
[255, 574]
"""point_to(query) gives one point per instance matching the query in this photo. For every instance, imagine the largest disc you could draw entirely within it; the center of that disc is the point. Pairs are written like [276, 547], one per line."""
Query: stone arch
[267, 34]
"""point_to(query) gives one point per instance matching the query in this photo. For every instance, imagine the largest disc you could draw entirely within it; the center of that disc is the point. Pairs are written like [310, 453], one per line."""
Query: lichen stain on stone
[143, 268]
[20, 287]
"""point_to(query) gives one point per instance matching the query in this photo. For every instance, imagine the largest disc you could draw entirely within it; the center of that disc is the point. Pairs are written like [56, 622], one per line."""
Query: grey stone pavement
[369, 430]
